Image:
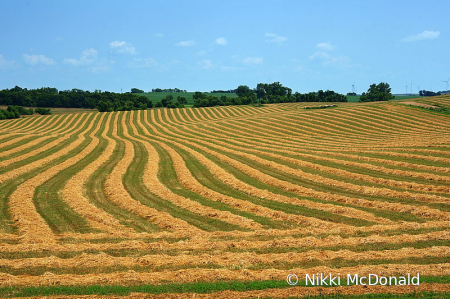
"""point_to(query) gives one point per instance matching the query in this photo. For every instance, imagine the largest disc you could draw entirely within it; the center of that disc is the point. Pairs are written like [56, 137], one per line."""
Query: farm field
[158, 96]
[226, 202]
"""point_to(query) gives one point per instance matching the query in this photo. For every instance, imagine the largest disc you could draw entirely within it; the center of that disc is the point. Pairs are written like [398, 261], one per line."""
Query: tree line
[168, 90]
[427, 93]
[16, 111]
[75, 98]
[265, 93]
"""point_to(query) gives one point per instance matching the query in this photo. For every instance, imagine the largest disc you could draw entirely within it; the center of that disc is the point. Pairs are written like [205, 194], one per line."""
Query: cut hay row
[353, 114]
[229, 179]
[236, 111]
[394, 229]
[14, 123]
[73, 191]
[61, 127]
[22, 147]
[28, 167]
[437, 289]
[116, 192]
[177, 113]
[414, 120]
[197, 116]
[391, 206]
[10, 124]
[259, 131]
[322, 155]
[403, 155]
[356, 176]
[200, 243]
[189, 182]
[185, 115]
[47, 126]
[193, 275]
[31, 124]
[31, 226]
[222, 112]
[419, 211]
[347, 174]
[230, 193]
[229, 260]
[152, 182]
[381, 169]
[358, 118]
[12, 141]
[340, 125]
[210, 113]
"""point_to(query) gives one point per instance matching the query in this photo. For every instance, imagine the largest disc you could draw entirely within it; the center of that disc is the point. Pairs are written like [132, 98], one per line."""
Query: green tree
[181, 100]
[136, 90]
[380, 92]
[244, 91]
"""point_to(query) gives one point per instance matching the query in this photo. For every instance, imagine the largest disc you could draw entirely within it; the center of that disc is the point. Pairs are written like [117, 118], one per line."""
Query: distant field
[158, 96]
[227, 201]
[355, 99]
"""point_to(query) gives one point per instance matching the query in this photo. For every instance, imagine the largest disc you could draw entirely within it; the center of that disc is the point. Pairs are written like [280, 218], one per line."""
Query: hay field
[228, 201]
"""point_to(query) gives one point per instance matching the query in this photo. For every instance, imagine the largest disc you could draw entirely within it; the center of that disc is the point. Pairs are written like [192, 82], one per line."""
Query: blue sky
[206, 45]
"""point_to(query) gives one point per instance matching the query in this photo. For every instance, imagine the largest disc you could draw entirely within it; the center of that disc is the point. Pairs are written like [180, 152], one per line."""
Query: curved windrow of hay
[152, 182]
[356, 189]
[116, 192]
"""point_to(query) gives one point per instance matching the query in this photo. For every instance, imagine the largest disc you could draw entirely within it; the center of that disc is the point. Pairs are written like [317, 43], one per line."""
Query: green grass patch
[199, 288]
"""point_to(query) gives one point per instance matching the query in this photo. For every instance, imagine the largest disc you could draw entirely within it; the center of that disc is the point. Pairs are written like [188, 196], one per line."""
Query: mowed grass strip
[40, 163]
[357, 176]
[179, 136]
[332, 176]
[28, 161]
[117, 193]
[230, 260]
[31, 224]
[211, 275]
[230, 200]
[73, 191]
[96, 191]
[199, 246]
[152, 182]
[265, 178]
[430, 287]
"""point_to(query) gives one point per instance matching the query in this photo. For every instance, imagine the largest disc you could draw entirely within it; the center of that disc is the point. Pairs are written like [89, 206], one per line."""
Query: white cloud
[325, 46]
[116, 44]
[339, 61]
[147, 63]
[38, 59]
[206, 64]
[122, 48]
[100, 68]
[221, 41]
[319, 55]
[275, 38]
[186, 43]
[422, 36]
[159, 35]
[87, 56]
[231, 68]
[251, 61]
[5, 63]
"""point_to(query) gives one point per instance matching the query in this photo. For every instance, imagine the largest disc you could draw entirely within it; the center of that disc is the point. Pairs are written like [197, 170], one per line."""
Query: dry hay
[423, 105]
[116, 192]
[73, 190]
[297, 138]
